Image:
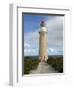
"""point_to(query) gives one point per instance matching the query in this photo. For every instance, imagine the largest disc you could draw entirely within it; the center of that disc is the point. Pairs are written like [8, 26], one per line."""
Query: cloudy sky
[54, 25]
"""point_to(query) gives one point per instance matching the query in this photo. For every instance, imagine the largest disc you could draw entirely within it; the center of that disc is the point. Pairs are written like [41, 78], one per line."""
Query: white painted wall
[4, 46]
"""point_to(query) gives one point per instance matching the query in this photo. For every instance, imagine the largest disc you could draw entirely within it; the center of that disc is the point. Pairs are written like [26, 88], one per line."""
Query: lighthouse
[43, 42]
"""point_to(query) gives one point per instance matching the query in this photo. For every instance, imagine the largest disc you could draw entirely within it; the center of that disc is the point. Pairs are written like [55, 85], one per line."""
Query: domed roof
[43, 26]
[42, 23]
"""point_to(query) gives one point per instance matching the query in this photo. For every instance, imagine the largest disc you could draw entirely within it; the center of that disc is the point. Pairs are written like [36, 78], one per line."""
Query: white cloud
[51, 50]
[30, 51]
[26, 45]
[55, 32]
[32, 38]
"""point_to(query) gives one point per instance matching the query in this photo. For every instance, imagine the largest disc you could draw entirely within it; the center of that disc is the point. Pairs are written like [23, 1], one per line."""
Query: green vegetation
[56, 63]
[31, 63]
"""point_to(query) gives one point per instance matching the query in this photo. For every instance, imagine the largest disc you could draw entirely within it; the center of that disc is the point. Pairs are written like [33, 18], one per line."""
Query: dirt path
[43, 68]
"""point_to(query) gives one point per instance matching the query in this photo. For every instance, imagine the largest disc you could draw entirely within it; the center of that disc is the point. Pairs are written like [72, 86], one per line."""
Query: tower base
[43, 58]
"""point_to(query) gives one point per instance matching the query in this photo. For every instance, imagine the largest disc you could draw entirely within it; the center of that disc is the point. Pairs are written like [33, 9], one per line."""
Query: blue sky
[32, 22]
[31, 35]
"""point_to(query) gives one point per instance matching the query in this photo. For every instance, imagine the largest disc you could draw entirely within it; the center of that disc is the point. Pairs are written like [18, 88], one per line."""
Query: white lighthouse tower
[43, 42]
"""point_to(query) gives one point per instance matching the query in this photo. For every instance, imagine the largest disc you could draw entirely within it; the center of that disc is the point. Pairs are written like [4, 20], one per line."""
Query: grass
[31, 63]
[56, 63]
